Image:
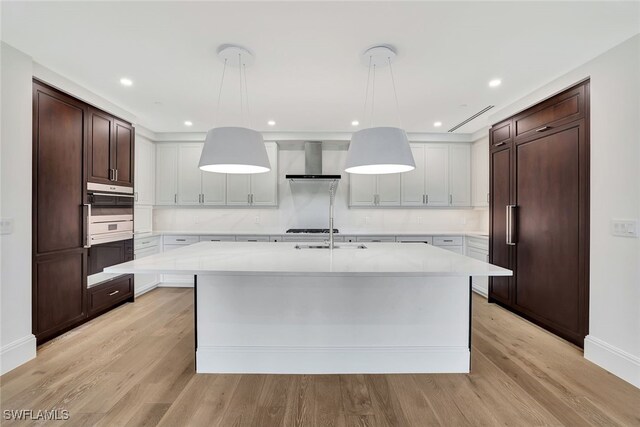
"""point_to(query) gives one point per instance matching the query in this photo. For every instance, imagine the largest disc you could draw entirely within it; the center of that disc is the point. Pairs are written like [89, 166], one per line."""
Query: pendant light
[234, 149]
[379, 150]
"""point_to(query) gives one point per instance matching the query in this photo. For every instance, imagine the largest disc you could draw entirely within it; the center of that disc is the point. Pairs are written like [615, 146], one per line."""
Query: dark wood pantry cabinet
[72, 142]
[539, 212]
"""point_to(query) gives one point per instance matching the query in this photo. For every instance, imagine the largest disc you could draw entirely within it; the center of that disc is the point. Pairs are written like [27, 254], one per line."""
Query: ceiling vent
[467, 120]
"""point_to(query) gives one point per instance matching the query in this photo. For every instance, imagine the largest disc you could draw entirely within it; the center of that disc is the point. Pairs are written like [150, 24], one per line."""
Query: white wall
[306, 205]
[614, 313]
[17, 344]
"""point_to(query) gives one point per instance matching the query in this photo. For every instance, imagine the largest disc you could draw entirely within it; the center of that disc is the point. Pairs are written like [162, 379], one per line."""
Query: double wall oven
[109, 229]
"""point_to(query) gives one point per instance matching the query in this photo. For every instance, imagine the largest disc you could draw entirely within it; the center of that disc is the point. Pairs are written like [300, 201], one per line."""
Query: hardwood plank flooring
[134, 367]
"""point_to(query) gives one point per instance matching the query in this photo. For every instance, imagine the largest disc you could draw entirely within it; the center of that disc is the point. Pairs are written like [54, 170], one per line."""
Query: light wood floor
[134, 366]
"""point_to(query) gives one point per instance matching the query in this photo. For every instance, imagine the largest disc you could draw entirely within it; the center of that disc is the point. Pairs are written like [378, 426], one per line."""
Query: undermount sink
[328, 247]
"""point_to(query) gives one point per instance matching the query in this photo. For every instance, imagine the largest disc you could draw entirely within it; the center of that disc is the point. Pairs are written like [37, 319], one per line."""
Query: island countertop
[282, 258]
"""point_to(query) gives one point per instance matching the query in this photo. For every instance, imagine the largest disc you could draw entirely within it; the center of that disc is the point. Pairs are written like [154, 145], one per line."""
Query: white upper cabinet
[480, 172]
[166, 174]
[259, 189]
[145, 165]
[189, 175]
[436, 175]
[413, 182]
[441, 177]
[374, 190]
[214, 188]
[460, 175]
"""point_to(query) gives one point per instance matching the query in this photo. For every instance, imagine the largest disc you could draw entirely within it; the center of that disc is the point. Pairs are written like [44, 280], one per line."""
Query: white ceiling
[307, 74]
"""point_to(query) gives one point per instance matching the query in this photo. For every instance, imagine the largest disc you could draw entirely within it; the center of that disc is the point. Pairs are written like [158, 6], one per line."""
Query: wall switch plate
[6, 225]
[624, 227]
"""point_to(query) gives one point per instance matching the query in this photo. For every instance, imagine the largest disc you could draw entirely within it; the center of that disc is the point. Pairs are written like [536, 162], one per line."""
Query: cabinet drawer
[478, 243]
[478, 254]
[415, 239]
[556, 111]
[180, 240]
[144, 243]
[376, 239]
[456, 249]
[141, 253]
[110, 293]
[252, 238]
[447, 240]
[217, 238]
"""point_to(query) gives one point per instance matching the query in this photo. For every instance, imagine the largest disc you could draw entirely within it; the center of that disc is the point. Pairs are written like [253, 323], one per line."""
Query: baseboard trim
[147, 288]
[331, 360]
[175, 285]
[617, 361]
[16, 353]
[480, 291]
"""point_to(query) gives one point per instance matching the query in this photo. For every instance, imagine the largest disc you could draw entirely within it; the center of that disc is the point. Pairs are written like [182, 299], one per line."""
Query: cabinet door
[100, 127]
[264, 186]
[437, 174]
[189, 175]
[123, 153]
[388, 189]
[460, 174]
[412, 183]
[238, 189]
[499, 251]
[166, 174]
[480, 173]
[144, 172]
[214, 188]
[362, 189]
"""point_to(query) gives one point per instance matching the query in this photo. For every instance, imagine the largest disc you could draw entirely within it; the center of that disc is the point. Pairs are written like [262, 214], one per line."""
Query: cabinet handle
[450, 199]
[510, 232]
[248, 199]
[251, 198]
[175, 198]
[499, 144]
[487, 197]
[181, 240]
[116, 173]
[202, 197]
[113, 293]
[87, 238]
[135, 196]
[543, 128]
[426, 199]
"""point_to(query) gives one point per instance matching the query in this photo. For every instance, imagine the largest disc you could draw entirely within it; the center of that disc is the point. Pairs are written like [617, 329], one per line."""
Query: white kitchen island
[272, 308]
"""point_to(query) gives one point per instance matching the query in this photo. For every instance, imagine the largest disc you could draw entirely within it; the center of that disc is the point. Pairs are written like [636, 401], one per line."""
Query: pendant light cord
[246, 90]
[373, 96]
[366, 93]
[215, 119]
[395, 93]
[241, 93]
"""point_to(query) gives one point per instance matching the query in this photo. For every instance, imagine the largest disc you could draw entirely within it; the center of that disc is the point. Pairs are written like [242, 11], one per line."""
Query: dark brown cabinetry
[63, 158]
[106, 295]
[111, 149]
[540, 213]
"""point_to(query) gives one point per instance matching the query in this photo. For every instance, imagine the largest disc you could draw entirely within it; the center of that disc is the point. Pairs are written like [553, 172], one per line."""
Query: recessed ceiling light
[188, 123]
[271, 122]
[437, 124]
[126, 82]
[495, 83]
[355, 123]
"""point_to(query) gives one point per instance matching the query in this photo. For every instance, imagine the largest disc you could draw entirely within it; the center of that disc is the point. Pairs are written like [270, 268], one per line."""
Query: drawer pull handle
[499, 144]
[113, 293]
[445, 240]
[543, 128]
[181, 240]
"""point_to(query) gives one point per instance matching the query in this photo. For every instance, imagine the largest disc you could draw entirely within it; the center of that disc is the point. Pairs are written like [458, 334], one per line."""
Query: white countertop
[262, 258]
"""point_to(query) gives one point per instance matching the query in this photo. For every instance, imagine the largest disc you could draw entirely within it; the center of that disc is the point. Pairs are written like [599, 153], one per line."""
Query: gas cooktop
[310, 230]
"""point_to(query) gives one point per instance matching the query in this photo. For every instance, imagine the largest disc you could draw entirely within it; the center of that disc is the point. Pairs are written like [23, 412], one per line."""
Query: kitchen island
[372, 308]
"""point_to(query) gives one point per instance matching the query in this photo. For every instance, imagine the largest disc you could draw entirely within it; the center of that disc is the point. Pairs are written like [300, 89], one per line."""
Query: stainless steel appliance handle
[510, 232]
[116, 173]
[87, 239]
[131, 196]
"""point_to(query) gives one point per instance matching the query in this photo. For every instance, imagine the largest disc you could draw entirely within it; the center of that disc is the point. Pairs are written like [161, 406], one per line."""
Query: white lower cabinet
[145, 246]
[478, 248]
[450, 243]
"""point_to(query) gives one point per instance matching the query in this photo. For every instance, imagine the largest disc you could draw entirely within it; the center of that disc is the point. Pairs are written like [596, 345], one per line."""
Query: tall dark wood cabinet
[539, 212]
[59, 219]
[74, 143]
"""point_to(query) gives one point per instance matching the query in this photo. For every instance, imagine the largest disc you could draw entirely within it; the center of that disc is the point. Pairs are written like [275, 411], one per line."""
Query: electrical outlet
[419, 220]
[366, 220]
[257, 220]
[6, 225]
[624, 227]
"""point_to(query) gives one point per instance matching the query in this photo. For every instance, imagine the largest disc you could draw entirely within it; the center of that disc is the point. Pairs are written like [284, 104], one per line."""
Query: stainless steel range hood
[312, 164]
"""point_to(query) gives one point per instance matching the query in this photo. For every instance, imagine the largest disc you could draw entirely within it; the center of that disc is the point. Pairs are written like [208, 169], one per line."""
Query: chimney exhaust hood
[312, 164]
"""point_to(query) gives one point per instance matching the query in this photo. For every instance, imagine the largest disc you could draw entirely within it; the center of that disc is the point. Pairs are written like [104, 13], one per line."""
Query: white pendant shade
[379, 150]
[234, 150]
